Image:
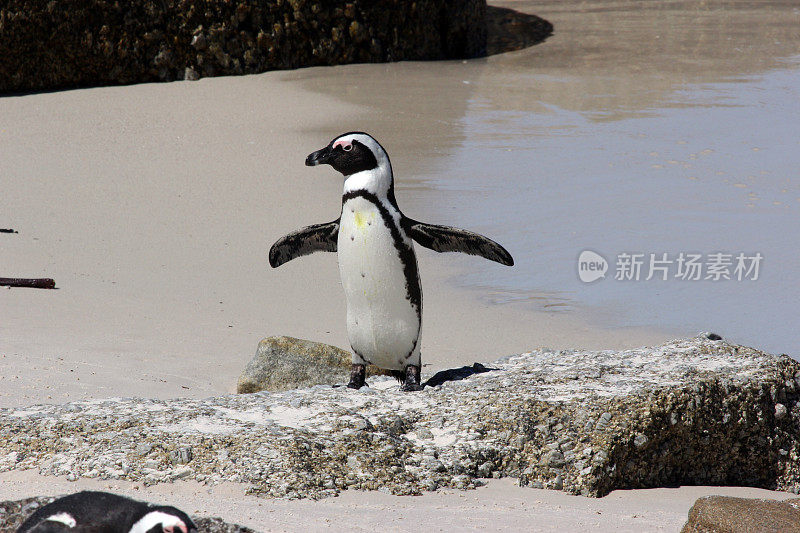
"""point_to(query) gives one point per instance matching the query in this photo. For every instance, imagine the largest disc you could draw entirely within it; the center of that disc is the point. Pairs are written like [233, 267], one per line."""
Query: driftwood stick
[6, 230]
[33, 283]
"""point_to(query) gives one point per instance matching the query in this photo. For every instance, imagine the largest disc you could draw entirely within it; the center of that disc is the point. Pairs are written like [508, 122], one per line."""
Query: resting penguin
[94, 512]
[376, 258]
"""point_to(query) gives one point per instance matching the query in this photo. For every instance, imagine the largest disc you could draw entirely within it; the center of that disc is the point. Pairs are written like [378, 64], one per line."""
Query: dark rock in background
[14, 513]
[284, 363]
[61, 44]
[723, 514]
[509, 30]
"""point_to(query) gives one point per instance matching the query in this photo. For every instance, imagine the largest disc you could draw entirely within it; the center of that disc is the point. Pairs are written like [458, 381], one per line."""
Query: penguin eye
[347, 147]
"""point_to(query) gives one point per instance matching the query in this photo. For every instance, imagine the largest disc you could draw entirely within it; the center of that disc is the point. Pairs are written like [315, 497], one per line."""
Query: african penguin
[89, 511]
[377, 263]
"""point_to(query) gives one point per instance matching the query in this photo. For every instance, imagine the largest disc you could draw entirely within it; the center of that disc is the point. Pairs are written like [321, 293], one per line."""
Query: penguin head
[164, 519]
[350, 154]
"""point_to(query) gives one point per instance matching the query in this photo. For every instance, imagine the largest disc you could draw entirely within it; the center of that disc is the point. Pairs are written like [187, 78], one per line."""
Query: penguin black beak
[320, 157]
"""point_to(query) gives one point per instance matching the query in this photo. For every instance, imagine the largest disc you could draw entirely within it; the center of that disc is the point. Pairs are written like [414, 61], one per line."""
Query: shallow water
[699, 177]
[638, 127]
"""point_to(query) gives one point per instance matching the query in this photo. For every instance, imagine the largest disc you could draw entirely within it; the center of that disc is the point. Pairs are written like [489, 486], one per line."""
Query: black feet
[409, 377]
[411, 381]
[357, 376]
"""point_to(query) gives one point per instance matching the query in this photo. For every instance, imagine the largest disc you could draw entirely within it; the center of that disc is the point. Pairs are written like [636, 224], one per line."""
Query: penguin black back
[103, 512]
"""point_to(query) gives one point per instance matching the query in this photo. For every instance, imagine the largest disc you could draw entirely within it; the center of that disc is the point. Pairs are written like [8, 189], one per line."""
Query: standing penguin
[377, 263]
[93, 512]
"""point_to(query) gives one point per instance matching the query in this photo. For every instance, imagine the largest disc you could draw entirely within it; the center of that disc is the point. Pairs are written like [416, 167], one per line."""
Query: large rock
[284, 363]
[509, 30]
[14, 513]
[60, 43]
[723, 514]
[687, 412]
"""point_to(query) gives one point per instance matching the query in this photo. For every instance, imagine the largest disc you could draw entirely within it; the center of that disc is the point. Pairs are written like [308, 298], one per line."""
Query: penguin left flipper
[447, 239]
[316, 238]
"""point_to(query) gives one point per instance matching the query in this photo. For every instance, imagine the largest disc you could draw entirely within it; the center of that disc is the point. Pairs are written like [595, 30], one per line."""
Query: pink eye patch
[346, 145]
[174, 528]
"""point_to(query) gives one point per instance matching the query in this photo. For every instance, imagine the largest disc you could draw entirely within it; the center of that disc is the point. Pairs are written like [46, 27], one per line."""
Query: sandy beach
[159, 255]
[498, 506]
[153, 207]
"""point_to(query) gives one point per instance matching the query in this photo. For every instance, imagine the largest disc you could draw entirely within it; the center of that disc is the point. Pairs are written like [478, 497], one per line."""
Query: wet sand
[153, 207]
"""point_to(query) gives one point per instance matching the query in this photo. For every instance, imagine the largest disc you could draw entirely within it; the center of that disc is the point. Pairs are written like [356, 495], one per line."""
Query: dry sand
[498, 506]
[153, 207]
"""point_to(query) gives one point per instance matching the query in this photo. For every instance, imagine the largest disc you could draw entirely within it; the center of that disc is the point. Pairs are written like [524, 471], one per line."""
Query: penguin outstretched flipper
[448, 239]
[377, 262]
[316, 238]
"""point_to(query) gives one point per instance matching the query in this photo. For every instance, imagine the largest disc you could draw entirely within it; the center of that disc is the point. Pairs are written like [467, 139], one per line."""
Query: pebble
[554, 458]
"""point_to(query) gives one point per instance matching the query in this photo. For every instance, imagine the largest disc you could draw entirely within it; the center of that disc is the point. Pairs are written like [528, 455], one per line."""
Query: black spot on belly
[404, 250]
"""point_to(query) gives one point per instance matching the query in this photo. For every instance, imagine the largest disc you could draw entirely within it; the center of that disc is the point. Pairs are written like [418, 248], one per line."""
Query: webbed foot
[411, 382]
[357, 376]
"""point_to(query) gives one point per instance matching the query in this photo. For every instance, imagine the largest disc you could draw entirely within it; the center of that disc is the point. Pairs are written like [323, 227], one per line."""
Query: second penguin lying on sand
[376, 258]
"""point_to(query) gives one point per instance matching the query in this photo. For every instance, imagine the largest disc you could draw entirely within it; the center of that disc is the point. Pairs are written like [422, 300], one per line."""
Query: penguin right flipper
[316, 238]
[448, 239]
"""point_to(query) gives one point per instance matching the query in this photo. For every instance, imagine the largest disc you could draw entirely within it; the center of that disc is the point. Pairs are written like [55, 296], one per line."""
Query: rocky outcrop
[60, 44]
[14, 513]
[687, 412]
[723, 514]
[284, 363]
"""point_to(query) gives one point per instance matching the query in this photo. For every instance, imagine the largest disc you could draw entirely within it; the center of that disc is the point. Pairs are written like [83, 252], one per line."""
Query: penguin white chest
[382, 323]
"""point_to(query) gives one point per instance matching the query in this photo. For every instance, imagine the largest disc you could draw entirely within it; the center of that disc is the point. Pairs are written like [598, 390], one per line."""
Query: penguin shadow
[456, 374]
[508, 30]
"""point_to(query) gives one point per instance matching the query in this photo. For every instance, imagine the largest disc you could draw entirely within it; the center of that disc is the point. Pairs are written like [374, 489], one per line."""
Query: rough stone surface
[61, 44]
[284, 363]
[686, 412]
[723, 514]
[14, 513]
